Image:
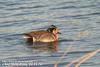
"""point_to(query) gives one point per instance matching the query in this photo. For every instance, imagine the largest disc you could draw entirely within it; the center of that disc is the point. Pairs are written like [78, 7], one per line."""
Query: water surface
[70, 16]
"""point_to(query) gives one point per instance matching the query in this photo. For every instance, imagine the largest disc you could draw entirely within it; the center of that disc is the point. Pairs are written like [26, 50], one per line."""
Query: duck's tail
[26, 36]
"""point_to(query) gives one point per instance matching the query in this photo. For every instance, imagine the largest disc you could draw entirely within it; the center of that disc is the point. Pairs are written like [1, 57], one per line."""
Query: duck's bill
[59, 33]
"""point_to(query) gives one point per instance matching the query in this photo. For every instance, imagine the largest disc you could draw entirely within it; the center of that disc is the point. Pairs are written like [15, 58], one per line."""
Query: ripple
[64, 3]
[84, 16]
[79, 52]
[13, 23]
[26, 13]
[30, 7]
[19, 3]
[73, 7]
[64, 7]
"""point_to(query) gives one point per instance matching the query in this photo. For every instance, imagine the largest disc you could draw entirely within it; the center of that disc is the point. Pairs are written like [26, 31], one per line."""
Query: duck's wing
[47, 37]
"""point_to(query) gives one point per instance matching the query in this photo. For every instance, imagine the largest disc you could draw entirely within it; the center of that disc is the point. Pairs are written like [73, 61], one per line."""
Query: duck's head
[53, 29]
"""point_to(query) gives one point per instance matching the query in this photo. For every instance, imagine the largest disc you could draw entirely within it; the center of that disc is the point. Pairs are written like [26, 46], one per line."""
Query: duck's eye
[51, 29]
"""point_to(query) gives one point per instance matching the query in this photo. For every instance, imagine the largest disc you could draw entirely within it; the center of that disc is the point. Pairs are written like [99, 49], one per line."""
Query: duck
[49, 35]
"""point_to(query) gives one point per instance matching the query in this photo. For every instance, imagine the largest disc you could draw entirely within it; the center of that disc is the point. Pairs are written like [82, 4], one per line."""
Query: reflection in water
[42, 47]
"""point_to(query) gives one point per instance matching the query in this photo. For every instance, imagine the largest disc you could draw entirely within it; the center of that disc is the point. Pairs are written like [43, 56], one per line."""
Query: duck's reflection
[43, 47]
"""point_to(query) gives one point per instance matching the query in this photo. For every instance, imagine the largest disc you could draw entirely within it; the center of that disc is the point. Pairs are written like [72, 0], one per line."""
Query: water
[70, 16]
